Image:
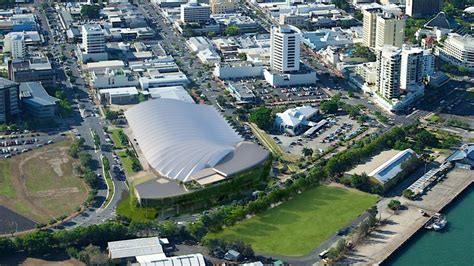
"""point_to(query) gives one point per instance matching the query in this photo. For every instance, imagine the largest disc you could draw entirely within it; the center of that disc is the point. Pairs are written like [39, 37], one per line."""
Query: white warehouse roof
[180, 139]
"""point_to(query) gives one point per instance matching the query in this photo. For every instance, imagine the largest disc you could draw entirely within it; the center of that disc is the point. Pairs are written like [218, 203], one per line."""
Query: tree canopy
[90, 11]
[232, 30]
[262, 117]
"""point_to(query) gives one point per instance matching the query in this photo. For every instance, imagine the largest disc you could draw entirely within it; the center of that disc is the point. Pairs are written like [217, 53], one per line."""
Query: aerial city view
[228, 132]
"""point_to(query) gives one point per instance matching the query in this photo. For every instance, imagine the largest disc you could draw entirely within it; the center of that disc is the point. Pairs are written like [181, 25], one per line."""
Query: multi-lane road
[83, 126]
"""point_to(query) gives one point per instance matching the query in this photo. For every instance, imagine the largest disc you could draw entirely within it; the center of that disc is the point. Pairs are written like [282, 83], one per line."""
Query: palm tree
[307, 152]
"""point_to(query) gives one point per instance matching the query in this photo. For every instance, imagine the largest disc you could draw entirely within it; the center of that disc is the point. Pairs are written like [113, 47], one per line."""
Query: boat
[437, 222]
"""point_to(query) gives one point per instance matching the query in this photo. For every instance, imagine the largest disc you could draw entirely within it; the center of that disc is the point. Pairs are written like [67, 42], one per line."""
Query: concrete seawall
[400, 227]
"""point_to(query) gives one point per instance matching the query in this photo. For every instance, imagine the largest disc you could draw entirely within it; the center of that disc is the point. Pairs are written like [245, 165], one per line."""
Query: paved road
[83, 127]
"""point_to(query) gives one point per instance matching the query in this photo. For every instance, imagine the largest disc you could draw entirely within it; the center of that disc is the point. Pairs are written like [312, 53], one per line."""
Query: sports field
[40, 184]
[299, 225]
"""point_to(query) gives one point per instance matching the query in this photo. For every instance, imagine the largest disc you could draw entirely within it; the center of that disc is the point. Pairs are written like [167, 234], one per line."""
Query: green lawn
[127, 209]
[126, 162]
[299, 225]
[116, 139]
[6, 187]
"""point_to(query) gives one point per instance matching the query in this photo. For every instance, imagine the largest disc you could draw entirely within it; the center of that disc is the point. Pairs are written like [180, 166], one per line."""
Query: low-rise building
[106, 64]
[112, 78]
[135, 249]
[297, 120]
[323, 38]
[384, 168]
[464, 157]
[242, 93]
[35, 68]
[36, 102]
[237, 70]
[126, 95]
[172, 92]
[155, 79]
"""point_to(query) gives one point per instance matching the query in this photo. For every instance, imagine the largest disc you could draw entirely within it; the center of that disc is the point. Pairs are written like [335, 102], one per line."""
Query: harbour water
[454, 245]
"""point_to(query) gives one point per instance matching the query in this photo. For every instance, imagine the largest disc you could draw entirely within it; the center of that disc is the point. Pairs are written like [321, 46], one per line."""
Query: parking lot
[15, 143]
[274, 96]
[337, 128]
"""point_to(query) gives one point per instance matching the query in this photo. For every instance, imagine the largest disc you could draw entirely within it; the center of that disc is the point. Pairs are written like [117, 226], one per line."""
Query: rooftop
[34, 93]
[134, 247]
[384, 166]
[171, 92]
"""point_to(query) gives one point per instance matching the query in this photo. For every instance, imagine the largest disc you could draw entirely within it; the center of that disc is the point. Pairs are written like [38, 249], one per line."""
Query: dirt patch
[34, 262]
[54, 192]
[56, 165]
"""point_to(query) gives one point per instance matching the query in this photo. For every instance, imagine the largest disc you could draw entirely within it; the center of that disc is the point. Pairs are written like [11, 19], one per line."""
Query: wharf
[400, 227]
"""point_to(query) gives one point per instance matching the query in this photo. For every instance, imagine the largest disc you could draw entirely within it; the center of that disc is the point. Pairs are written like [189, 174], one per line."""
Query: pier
[397, 228]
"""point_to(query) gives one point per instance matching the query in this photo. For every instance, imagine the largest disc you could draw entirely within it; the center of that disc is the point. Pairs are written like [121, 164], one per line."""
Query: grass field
[299, 225]
[125, 208]
[40, 184]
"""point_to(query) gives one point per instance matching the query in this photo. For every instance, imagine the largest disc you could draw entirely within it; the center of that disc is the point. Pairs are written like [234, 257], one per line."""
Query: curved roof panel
[179, 139]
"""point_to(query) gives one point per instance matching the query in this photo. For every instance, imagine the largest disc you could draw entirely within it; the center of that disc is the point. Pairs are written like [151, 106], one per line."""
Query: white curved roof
[179, 139]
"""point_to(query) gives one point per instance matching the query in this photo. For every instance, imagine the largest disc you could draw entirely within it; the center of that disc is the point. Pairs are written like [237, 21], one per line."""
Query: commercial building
[390, 30]
[323, 38]
[103, 65]
[9, 100]
[458, 50]
[293, 19]
[194, 12]
[223, 6]
[185, 142]
[155, 79]
[126, 95]
[237, 70]
[384, 167]
[36, 68]
[241, 93]
[36, 102]
[297, 120]
[388, 72]
[423, 8]
[14, 43]
[93, 43]
[285, 49]
[93, 39]
[112, 78]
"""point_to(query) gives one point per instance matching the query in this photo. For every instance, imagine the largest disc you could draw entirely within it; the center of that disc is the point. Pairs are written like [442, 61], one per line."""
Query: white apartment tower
[14, 43]
[285, 49]
[93, 39]
[223, 6]
[17, 47]
[390, 30]
[370, 26]
[388, 71]
[412, 66]
[194, 12]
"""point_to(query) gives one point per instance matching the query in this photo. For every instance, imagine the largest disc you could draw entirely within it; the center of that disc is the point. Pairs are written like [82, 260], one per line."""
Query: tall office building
[223, 6]
[423, 8]
[370, 26]
[412, 67]
[194, 12]
[93, 39]
[285, 49]
[9, 100]
[390, 30]
[388, 71]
